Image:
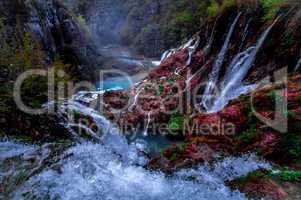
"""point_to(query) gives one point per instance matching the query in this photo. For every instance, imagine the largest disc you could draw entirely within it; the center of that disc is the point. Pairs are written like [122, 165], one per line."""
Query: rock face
[259, 186]
[44, 127]
[57, 30]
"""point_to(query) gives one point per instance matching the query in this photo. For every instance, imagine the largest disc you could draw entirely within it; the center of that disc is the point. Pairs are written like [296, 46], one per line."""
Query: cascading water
[93, 171]
[208, 47]
[213, 77]
[191, 46]
[232, 86]
[245, 35]
[145, 133]
[140, 89]
[111, 169]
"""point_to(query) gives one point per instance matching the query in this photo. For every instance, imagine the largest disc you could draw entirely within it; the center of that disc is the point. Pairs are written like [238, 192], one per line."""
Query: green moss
[173, 157]
[248, 135]
[176, 122]
[290, 146]
[271, 7]
[290, 115]
[213, 9]
[174, 79]
[160, 90]
[274, 96]
[288, 175]
[251, 176]
[185, 18]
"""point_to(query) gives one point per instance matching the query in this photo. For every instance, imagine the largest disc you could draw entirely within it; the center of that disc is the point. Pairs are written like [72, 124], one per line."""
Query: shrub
[271, 7]
[185, 18]
[34, 91]
[213, 9]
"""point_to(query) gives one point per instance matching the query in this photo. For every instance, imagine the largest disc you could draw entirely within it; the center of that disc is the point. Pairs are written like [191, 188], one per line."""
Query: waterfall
[208, 47]
[191, 46]
[232, 85]
[136, 98]
[245, 35]
[145, 133]
[111, 169]
[213, 77]
[298, 63]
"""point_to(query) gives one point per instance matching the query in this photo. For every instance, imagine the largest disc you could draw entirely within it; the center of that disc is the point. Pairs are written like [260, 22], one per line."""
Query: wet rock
[199, 153]
[160, 163]
[175, 157]
[56, 30]
[259, 187]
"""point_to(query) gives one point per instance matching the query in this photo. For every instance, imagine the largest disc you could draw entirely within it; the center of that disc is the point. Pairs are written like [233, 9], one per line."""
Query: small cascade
[208, 47]
[213, 77]
[232, 85]
[145, 133]
[298, 63]
[191, 45]
[245, 35]
[68, 108]
[107, 134]
[86, 97]
[140, 89]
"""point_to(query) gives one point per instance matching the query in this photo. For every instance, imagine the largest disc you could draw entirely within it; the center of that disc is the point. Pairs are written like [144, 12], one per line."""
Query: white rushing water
[214, 75]
[208, 47]
[245, 34]
[94, 171]
[145, 133]
[232, 85]
[191, 46]
[135, 99]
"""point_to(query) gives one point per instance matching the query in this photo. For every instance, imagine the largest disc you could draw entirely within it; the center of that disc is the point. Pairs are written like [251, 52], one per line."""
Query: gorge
[151, 99]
